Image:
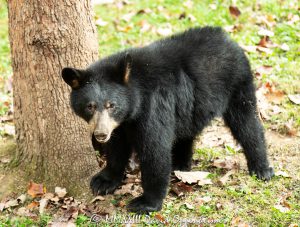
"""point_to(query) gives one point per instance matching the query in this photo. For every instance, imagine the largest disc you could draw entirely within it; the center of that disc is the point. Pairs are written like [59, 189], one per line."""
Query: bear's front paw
[263, 174]
[142, 205]
[101, 184]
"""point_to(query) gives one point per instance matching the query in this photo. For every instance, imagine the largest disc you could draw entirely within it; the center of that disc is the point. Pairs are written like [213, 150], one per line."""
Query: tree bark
[54, 145]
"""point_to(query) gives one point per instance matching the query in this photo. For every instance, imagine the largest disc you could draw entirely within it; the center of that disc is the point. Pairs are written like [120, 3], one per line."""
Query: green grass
[251, 200]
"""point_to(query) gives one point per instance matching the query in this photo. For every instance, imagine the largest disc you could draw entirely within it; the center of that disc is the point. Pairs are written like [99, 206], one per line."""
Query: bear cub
[156, 99]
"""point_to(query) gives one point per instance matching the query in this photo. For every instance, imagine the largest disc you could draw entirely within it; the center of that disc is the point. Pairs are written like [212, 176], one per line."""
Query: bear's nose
[100, 136]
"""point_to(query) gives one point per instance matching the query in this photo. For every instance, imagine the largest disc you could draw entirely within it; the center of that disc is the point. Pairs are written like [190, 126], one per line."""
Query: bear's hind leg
[182, 153]
[245, 126]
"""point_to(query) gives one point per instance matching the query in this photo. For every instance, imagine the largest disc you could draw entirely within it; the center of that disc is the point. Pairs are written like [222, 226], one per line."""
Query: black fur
[176, 86]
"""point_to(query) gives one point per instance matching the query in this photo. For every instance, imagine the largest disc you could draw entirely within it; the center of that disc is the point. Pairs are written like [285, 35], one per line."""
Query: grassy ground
[243, 200]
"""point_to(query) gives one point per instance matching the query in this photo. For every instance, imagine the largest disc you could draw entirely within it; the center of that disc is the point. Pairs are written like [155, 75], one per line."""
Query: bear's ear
[72, 77]
[125, 68]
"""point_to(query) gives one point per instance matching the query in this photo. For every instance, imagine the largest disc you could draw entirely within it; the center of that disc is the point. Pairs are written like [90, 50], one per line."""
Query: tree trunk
[54, 145]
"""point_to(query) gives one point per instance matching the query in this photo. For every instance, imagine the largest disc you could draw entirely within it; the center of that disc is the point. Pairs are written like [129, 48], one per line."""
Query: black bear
[156, 99]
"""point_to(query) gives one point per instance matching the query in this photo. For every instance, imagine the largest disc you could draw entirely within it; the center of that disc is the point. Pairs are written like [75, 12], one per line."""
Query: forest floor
[224, 194]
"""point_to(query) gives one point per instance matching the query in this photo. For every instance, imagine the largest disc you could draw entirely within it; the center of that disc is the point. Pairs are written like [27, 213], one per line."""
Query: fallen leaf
[121, 203]
[33, 205]
[284, 47]
[223, 180]
[199, 177]
[234, 11]
[60, 192]
[264, 49]
[36, 190]
[11, 203]
[289, 128]
[281, 208]
[101, 22]
[201, 200]
[265, 32]
[127, 17]
[21, 199]
[161, 219]
[293, 18]
[97, 198]
[131, 189]
[234, 28]
[295, 98]
[181, 188]
[226, 163]
[101, 2]
[268, 19]
[145, 26]
[189, 206]
[48, 195]
[189, 4]
[275, 97]
[2, 206]
[264, 42]
[182, 16]
[144, 11]
[164, 31]
[282, 173]
[43, 204]
[61, 224]
[264, 69]
[250, 49]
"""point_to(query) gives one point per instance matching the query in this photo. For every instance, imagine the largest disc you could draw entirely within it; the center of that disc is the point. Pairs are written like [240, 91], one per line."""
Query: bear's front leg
[117, 151]
[154, 151]
[156, 170]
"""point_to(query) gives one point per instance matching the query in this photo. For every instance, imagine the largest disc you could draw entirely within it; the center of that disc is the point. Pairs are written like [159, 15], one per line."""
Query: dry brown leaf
[275, 97]
[144, 11]
[226, 163]
[234, 11]
[289, 128]
[36, 190]
[33, 205]
[161, 219]
[127, 17]
[264, 49]
[201, 200]
[43, 204]
[234, 28]
[265, 32]
[2, 206]
[101, 23]
[284, 47]
[293, 18]
[282, 208]
[60, 192]
[250, 49]
[181, 188]
[223, 180]
[145, 26]
[121, 203]
[62, 224]
[97, 198]
[282, 173]
[264, 69]
[164, 31]
[199, 177]
[295, 98]
[132, 189]
[188, 3]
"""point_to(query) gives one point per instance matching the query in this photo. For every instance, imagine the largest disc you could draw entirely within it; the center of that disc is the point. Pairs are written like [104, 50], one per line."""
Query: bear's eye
[109, 105]
[91, 106]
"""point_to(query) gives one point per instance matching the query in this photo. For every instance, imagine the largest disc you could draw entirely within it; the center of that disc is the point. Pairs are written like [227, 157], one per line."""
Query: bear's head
[100, 95]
